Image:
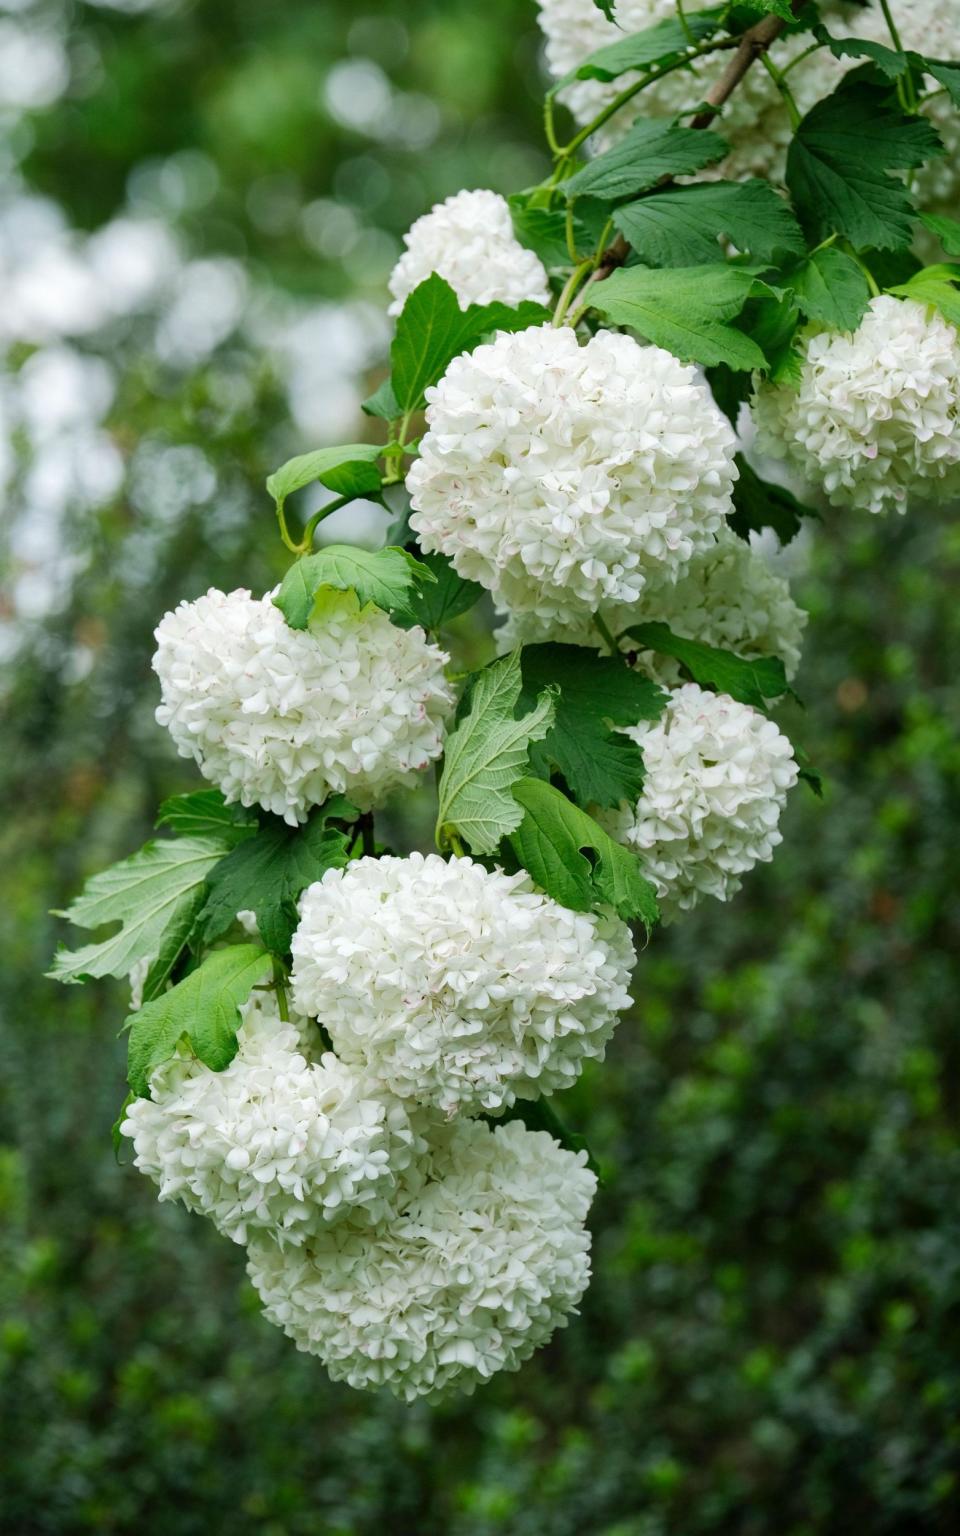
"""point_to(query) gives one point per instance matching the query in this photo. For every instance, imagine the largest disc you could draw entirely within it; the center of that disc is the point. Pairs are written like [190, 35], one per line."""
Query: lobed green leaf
[751, 681]
[685, 310]
[154, 895]
[267, 874]
[485, 756]
[842, 165]
[386, 577]
[599, 765]
[550, 843]
[652, 149]
[682, 227]
[349, 470]
[203, 1009]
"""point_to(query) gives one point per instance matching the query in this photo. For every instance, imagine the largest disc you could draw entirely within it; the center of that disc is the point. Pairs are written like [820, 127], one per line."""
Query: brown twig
[751, 45]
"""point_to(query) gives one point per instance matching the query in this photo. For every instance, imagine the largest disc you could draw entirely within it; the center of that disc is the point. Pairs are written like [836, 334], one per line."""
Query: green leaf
[682, 227]
[444, 599]
[600, 766]
[840, 162]
[946, 230]
[889, 61]
[205, 813]
[549, 843]
[759, 504]
[432, 330]
[485, 756]
[154, 895]
[947, 75]
[751, 682]
[204, 1009]
[662, 43]
[606, 6]
[349, 471]
[268, 874]
[386, 577]
[653, 148]
[831, 288]
[684, 309]
[936, 286]
[382, 403]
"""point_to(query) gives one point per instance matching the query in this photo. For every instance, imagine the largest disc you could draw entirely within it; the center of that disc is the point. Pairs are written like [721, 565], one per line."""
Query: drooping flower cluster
[716, 779]
[284, 1140]
[728, 596]
[875, 420]
[282, 718]
[468, 239]
[456, 986]
[564, 477]
[469, 1277]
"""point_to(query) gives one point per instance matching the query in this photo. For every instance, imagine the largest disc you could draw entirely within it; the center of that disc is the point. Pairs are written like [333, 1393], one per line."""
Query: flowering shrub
[343, 1057]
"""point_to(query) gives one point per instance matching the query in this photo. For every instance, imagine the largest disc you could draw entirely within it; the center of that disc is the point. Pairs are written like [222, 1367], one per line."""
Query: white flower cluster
[564, 477]
[279, 1142]
[755, 121]
[469, 241]
[471, 1276]
[455, 986]
[282, 718]
[875, 420]
[716, 780]
[730, 595]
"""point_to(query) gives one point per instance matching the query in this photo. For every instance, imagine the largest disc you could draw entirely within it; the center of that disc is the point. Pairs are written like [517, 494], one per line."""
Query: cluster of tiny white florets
[282, 718]
[563, 477]
[755, 121]
[875, 420]
[469, 241]
[282, 1141]
[468, 1278]
[716, 779]
[728, 596]
[455, 986]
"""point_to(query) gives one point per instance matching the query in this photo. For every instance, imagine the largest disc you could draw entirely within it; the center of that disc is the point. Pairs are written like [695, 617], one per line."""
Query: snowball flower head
[280, 1141]
[728, 596]
[457, 986]
[473, 1275]
[563, 477]
[469, 241]
[717, 776]
[282, 718]
[875, 421]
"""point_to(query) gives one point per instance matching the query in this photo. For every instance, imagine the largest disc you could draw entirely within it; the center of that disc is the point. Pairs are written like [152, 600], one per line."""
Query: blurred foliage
[771, 1342]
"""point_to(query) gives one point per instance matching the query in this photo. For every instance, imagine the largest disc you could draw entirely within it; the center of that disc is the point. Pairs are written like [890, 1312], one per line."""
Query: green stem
[814, 48]
[871, 280]
[549, 129]
[604, 629]
[571, 234]
[279, 987]
[570, 288]
[640, 85]
[367, 834]
[891, 25]
[456, 845]
[310, 528]
[285, 531]
[688, 34]
[776, 75]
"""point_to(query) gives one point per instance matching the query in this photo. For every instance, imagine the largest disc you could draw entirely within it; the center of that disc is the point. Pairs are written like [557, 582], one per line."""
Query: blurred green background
[199, 205]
